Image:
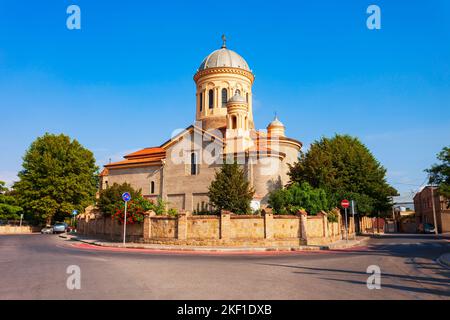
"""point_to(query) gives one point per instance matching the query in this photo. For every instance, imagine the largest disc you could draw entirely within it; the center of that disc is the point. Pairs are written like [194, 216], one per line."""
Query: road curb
[219, 249]
[349, 245]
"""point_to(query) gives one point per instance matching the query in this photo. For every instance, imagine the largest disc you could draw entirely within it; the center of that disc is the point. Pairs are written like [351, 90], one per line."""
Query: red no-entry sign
[345, 204]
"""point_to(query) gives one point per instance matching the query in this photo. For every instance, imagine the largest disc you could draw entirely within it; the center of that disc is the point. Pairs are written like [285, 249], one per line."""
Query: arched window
[224, 97]
[152, 187]
[193, 164]
[247, 97]
[238, 91]
[201, 101]
[211, 99]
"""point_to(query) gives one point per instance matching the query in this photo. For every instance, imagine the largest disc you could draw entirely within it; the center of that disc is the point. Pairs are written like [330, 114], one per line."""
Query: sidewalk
[341, 244]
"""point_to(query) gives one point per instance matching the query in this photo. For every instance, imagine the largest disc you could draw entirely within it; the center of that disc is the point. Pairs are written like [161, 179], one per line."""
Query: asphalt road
[34, 267]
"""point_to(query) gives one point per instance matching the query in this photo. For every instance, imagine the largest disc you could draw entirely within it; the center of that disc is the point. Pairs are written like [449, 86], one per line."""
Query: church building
[181, 169]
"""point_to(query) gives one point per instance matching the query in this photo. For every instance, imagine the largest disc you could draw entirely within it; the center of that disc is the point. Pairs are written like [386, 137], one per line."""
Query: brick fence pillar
[225, 225]
[182, 226]
[303, 225]
[147, 228]
[268, 223]
[324, 216]
[352, 225]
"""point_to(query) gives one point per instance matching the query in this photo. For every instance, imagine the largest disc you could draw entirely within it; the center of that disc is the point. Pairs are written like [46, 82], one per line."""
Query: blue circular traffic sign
[126, 196]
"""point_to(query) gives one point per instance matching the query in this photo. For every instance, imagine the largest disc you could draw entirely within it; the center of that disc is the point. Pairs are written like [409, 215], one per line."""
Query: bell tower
[222, 75]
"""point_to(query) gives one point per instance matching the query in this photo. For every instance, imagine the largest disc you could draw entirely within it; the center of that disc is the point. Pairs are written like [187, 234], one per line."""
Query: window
[224, 97]
[152, 187]
[238, 91]
[233, 122]
[211, 99]
[247, 97]
[193, 164]
[201, 101]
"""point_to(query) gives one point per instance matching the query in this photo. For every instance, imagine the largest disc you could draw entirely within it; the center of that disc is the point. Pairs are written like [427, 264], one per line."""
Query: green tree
[58, 176]
[9, 209]
[230, 190]
[345, 168]
[440, 173]
[299, 196]
[111, 204]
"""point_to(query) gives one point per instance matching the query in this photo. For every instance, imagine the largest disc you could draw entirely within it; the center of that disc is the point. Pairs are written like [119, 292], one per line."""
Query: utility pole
[434, 211]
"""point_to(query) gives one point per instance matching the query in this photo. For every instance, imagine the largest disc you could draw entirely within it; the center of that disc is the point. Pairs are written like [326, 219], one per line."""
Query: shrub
[160, 207]
[172, 212]
[333, 216]
[298, 197]
[111, 204]
[136, 209]
[204, 208]
[111, 198]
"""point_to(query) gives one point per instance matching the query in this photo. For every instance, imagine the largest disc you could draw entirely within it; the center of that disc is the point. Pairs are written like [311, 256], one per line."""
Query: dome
[237, 98]
[224, 58]
[276, 123]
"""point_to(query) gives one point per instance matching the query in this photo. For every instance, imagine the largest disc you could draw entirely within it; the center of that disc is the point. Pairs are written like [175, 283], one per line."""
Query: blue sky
[124, 81]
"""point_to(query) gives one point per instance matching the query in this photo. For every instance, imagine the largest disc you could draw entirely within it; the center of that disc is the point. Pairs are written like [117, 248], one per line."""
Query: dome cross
[224, 41]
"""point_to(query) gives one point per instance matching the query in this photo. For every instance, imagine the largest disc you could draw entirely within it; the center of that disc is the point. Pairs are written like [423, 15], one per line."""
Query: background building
[423, 204]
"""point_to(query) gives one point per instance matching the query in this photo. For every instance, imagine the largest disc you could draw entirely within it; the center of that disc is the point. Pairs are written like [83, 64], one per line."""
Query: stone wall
[93, 223]
[225, 229]
[372, 225]
[7, 229]
[247, 227]
[286, 227]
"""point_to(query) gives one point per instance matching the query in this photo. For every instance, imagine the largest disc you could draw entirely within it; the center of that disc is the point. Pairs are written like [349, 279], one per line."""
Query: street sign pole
[345, 204]
[126, 196]
[125, 224]
[346, 225]
[354, 221]
[74, 213]
[21, 217]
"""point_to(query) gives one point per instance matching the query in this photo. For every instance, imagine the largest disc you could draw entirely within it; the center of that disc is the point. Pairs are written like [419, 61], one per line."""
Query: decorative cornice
[239, 71]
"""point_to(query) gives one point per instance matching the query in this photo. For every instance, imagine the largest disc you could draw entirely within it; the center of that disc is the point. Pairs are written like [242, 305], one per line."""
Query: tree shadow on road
[416, 289]
[441, 286]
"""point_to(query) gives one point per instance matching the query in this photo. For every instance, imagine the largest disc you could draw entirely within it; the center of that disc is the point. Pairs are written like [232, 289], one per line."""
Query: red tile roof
[147, 156]
[134, 162]
[147, 152]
